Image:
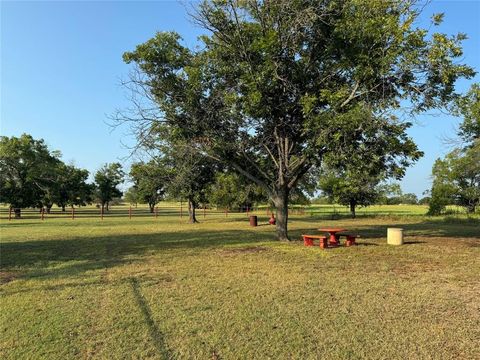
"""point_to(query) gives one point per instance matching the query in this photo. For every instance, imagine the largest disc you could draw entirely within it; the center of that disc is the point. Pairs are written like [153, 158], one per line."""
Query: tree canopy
[27, 171]
[266, 92]
[456, 178]
[150, 181]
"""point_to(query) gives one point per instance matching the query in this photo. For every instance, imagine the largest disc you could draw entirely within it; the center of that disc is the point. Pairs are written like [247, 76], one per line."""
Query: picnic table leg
[307, 241]
[350, 241]
[333, 239]
[323, 243]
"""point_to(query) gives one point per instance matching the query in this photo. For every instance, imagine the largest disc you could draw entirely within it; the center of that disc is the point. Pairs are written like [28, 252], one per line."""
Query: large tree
[265, 91]
[27, 171]
[149, 181]
[107, 180]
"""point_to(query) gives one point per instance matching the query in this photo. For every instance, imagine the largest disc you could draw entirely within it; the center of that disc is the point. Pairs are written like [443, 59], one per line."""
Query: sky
[61, 67]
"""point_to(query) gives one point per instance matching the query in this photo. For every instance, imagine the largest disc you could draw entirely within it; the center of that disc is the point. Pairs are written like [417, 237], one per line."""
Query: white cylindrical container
[395, 236]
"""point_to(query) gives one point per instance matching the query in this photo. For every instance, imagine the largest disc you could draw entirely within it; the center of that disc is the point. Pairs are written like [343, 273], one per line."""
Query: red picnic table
[333, 237]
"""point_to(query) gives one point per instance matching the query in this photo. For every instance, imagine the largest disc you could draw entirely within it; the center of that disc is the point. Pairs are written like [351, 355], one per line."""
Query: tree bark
[192, 219]
[280, 200]
[18, 213]
[352, 209]
[63, 208]
[152, 207]
[471, 208]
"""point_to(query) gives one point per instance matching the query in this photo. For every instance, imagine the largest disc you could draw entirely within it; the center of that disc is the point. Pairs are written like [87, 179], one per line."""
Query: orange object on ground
[272, 220]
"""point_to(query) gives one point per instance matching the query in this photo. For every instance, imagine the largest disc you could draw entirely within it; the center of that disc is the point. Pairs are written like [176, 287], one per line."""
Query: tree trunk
[191, 212]
[352, 209]
[63, 208]
[471, 208]
[107, 203]
[49, 207]
[152, 207]
[18, 213]
[281, 204]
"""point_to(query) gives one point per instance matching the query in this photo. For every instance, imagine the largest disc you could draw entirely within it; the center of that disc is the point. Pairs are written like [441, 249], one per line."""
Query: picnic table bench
[349, 237]
[308, 240]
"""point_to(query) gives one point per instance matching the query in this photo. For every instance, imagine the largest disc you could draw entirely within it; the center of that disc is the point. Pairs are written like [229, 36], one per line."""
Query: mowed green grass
[158, 288]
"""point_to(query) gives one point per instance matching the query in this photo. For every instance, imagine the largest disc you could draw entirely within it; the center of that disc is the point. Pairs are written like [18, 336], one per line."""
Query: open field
[156, 288]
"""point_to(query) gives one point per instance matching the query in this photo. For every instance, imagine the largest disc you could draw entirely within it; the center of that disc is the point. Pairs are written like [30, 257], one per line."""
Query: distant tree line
[31, 175]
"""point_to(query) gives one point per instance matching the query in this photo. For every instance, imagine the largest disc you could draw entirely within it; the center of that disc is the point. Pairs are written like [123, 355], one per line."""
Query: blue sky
[61, 65]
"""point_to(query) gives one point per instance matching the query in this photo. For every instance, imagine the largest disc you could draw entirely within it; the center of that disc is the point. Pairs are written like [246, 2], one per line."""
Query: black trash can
[253, 220]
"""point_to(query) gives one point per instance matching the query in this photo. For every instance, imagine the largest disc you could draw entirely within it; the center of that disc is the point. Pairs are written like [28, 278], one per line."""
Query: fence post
[204, 208]
[226, 212]
[130, 212]
[156, 212]
[181, 209]
[101, 212]
[73, 213]
[43, 213]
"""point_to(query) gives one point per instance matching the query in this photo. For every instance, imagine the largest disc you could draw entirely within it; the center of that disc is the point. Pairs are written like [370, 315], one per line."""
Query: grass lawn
[158, 288]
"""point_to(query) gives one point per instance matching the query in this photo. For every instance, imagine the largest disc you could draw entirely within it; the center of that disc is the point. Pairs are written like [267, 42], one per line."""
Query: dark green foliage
[71, 187]
[149, 182]
[27, 171]
[372, 149]
[456, 180]
[190, 176]
[107, 179]
[234, 192]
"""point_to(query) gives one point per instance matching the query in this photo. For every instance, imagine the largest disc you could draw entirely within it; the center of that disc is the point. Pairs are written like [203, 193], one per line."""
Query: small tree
[72, 188]
[107, 179]
[350, 190]
[190, 175]
[456, 180]
[149, 179]
[131, 196]
[27, 171]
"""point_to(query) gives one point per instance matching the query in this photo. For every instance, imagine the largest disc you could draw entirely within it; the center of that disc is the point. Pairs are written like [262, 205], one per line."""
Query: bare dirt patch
[6, 277]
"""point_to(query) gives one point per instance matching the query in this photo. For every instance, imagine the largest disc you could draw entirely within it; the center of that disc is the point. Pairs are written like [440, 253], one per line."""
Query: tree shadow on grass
[157, 336]
[75, 256]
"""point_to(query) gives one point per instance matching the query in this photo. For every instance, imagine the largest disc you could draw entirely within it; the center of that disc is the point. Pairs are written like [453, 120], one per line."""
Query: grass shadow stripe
[155, 333]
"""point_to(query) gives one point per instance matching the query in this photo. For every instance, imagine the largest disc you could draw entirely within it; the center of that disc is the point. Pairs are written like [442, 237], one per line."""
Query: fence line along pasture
[180, 210]
[142, 211]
